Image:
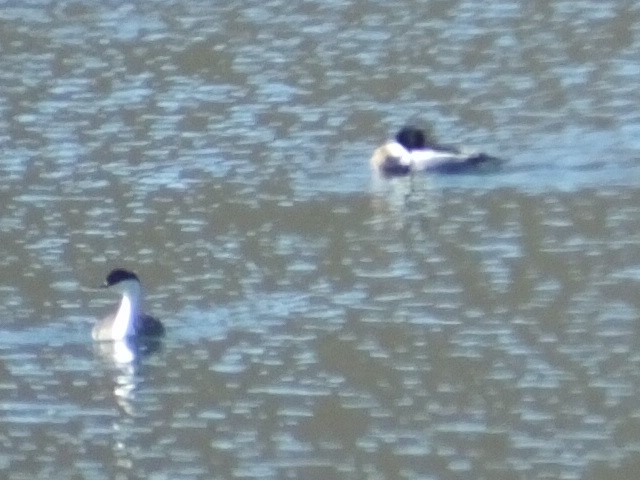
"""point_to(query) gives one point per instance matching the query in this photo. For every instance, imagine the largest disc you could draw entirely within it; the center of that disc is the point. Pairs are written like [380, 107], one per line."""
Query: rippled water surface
[320, 324]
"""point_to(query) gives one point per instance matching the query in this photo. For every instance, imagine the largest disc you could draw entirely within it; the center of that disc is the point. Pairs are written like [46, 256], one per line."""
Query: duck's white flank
[394, 154]
[395, 158]
[122, 323]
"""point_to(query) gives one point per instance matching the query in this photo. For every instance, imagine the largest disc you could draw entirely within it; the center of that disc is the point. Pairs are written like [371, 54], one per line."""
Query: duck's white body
[121, 324]
[394, 155]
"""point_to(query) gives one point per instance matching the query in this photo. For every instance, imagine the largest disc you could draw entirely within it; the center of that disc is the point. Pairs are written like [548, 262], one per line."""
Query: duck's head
[411, 138]
[122, 280]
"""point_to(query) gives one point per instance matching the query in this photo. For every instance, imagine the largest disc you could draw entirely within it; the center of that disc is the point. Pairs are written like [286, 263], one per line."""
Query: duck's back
[149, 326]
[450, 162]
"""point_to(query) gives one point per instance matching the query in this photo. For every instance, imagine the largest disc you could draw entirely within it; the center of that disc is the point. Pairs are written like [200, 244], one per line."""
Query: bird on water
[412, 151]
[128, 320]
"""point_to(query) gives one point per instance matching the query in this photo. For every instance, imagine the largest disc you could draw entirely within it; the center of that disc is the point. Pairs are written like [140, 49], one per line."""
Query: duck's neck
[124, 323]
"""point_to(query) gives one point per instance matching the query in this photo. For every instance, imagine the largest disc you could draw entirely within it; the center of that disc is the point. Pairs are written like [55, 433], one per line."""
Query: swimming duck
[411, 151]
[128, 320]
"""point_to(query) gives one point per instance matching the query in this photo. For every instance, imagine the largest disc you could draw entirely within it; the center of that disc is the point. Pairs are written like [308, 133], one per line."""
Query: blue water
[320, 323]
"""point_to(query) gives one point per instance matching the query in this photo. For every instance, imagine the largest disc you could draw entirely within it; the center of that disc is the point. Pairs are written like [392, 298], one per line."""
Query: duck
[411, 151]
[128, 320]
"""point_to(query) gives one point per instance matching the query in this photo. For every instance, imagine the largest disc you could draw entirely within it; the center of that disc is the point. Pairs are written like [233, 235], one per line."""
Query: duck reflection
[124, 368]
[124, 357]
[127, 351]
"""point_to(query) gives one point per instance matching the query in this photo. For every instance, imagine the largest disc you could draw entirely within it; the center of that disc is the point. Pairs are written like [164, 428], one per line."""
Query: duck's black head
[411, 138]
[119, 275]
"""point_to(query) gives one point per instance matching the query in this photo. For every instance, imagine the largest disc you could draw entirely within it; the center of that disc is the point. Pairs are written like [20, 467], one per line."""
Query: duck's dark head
[119, 275]
[411, 138]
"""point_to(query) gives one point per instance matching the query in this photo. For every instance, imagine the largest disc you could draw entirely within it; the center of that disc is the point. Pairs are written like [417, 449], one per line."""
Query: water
[320, 324]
